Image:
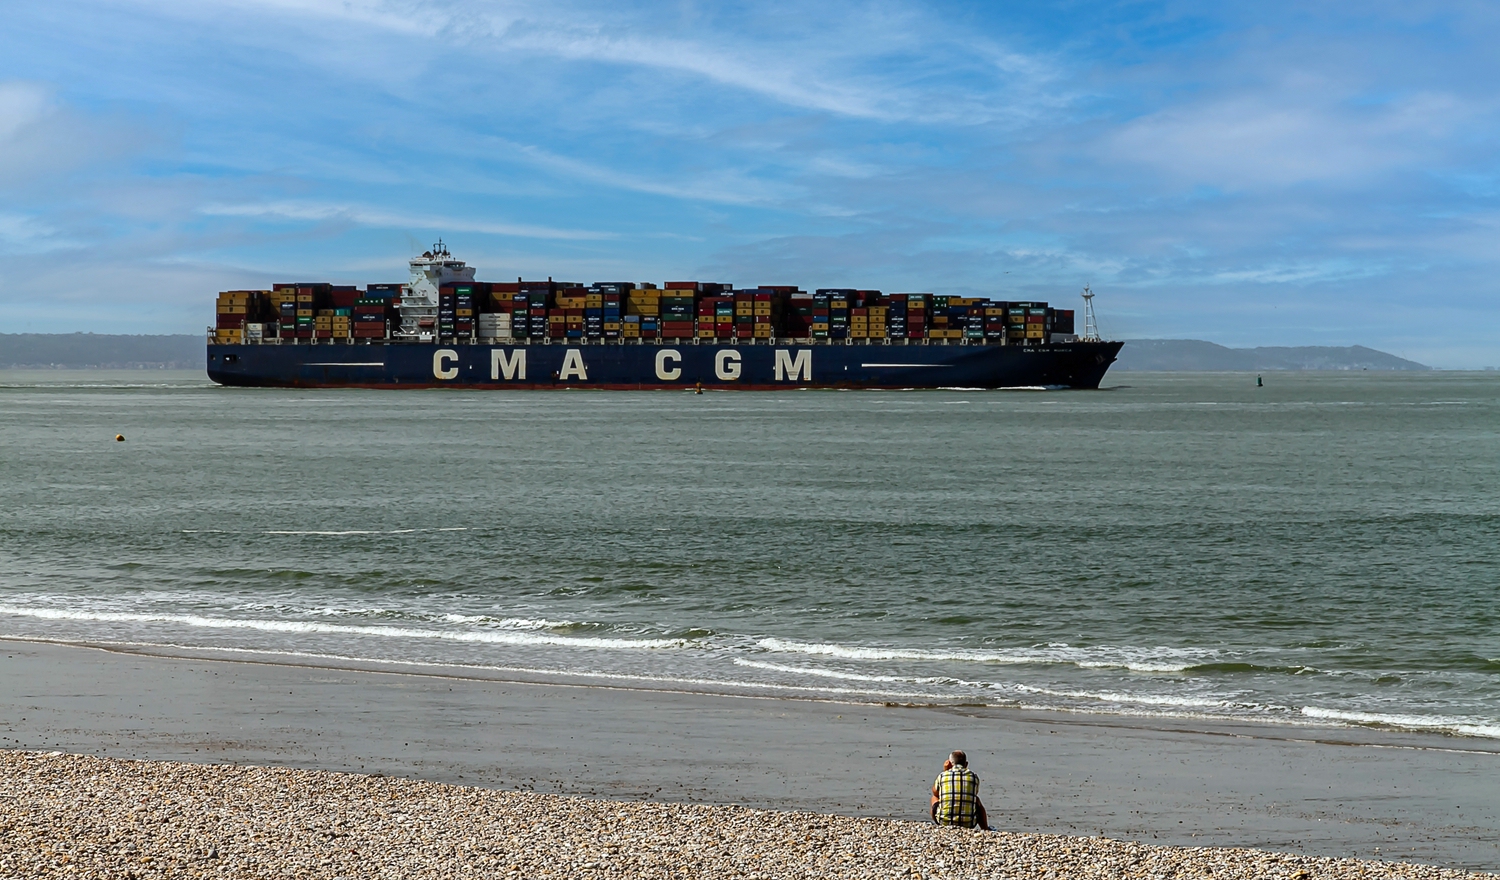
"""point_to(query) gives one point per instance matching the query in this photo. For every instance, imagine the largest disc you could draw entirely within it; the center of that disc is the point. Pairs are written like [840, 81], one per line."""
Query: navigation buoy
[1258, 383]
[698, 389]
[119, 438]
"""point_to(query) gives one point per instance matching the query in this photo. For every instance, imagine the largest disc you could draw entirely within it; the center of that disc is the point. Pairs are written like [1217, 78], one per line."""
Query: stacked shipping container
[680, 310]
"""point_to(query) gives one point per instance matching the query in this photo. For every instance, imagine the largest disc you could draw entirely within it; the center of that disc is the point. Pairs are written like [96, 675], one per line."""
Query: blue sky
[1252, 174]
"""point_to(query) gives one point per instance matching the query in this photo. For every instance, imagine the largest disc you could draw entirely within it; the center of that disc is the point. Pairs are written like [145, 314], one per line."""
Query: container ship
[444, 329]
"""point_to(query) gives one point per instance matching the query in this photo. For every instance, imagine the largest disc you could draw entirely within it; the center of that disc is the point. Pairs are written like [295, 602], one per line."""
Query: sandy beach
[1336, 793]
[74, 816]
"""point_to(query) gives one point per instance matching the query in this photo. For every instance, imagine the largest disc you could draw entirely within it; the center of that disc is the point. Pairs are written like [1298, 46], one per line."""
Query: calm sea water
[1320, 550]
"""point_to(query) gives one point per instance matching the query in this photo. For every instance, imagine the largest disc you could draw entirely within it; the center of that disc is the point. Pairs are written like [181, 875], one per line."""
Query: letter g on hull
[727, 365]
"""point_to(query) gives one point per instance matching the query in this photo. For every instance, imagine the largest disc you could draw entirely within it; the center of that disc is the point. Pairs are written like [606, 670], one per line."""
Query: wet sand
[1321, 791]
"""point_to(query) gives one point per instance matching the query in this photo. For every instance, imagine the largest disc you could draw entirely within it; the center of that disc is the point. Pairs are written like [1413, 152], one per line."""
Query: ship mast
[1090, 324]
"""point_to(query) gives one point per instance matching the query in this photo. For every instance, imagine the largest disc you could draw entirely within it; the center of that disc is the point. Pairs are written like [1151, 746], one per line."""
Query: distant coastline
[80, 351]
[101, 351]
[1195, 355]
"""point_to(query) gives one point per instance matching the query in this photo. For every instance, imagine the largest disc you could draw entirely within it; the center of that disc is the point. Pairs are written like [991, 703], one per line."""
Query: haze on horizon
[1252, 174]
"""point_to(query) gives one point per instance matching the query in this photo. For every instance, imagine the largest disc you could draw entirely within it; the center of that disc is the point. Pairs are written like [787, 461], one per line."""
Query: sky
[1259, 173]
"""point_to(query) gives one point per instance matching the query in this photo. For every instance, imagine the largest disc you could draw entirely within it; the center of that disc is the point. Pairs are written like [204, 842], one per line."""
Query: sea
[1323, 550]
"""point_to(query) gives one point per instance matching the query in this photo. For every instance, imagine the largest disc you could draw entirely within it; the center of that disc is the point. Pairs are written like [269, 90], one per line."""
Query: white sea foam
[726, 686]
[487, 636]
[1484, 727]
[362, 531]
[1138, 699]
[1101, 657]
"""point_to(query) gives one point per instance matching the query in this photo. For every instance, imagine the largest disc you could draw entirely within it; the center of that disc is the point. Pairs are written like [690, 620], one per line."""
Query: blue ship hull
[662, 365]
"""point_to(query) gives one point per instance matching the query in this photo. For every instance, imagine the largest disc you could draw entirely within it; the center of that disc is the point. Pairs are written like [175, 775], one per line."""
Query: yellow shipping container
[858, 333]
[231, 310]
[630, 331]
[705, 334]
[762, 310]
[611, 325]
[1036, 334]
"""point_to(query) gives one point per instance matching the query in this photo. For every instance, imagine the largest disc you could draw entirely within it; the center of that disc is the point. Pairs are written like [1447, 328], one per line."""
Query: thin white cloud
[851, 71]
[1287, 136]
[385, 219]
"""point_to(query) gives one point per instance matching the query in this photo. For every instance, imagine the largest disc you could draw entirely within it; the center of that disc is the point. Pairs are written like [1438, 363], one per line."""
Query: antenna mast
[1090, 324]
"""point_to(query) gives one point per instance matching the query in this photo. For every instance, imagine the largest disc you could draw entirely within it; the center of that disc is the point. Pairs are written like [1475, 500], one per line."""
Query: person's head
[958, 759]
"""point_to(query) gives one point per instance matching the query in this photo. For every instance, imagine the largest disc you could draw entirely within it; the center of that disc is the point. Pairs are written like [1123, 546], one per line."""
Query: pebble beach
[79, 816]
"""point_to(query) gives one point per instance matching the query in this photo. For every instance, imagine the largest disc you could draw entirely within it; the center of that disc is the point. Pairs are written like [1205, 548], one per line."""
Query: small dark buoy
[1258, 383]
[698, 388]
[119, 438]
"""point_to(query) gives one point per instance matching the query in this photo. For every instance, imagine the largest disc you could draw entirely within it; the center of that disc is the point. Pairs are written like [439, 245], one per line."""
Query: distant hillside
[100, 351]
[1195, 354]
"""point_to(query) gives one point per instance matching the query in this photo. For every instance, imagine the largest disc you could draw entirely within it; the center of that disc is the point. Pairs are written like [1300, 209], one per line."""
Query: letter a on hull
[572, 366]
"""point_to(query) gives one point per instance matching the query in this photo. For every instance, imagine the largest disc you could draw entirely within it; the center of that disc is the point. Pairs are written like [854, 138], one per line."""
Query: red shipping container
[229, 322]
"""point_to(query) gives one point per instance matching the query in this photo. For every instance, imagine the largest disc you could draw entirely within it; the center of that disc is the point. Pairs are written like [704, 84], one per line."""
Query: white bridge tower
[419, 299]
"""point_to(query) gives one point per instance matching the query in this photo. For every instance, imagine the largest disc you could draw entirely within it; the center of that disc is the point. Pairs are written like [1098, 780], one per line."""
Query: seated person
[955, 795]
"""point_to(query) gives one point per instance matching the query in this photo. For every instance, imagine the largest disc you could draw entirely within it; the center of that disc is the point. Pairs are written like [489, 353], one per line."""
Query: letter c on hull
[664, 372]
[727, 365]
[439, 369]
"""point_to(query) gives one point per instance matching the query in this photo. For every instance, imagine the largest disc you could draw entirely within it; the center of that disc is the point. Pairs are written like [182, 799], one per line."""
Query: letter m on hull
[512, 366]
[791, 369]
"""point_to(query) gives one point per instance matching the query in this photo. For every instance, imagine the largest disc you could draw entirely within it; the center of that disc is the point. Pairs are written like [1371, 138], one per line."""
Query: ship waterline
[770, 366]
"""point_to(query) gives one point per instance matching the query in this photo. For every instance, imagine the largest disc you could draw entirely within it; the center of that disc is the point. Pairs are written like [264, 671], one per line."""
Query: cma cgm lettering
[443, 329]
[509, 365]
[561, 365]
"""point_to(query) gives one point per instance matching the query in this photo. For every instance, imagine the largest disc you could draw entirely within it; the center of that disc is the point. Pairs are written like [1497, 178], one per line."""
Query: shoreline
[1371, 734]
[1171, 782]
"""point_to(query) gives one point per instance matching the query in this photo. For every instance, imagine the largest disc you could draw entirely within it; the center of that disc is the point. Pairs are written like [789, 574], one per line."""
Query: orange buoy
[119, 438]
